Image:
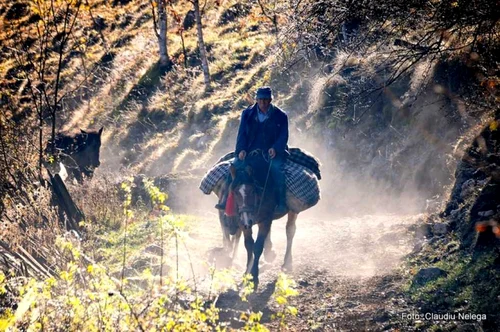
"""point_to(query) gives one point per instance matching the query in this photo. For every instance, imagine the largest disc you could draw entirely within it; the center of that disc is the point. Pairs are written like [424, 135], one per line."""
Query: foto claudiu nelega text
[445, 316]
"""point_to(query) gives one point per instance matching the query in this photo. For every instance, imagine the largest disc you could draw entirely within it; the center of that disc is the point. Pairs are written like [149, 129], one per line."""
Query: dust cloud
[346, 192]
[358, 228]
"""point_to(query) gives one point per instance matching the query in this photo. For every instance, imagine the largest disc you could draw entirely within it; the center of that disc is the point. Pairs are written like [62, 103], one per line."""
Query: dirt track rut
[345, 269]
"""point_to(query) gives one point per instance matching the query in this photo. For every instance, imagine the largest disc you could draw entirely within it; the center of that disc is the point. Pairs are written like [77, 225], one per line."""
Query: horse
[255, 199]
[78, 152]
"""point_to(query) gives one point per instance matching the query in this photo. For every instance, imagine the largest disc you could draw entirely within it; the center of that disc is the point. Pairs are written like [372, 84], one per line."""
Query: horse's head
[80, 152]
[245, 193]
[89, 144]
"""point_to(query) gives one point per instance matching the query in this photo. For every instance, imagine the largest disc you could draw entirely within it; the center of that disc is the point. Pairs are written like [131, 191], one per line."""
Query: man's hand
[272, 153]
[242, 155]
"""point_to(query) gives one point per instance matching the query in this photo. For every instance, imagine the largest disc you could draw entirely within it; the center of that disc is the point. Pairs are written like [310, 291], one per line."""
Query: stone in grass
[427, 275]
[154, 249]
[488, 213]
[381, 316]
[468, 188]
[440, 229]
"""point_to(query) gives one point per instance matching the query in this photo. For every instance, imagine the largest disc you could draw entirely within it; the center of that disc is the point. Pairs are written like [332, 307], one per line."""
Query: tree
[59, 35]
[273, 17]
[45, 72]
[201, 44]
[270, 11]
[180, 30]
[160, 29]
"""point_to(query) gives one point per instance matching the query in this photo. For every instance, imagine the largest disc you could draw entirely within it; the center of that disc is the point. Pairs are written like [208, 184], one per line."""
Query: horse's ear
[249, 170]
[83, 131]
[100, 131]
[232, 170]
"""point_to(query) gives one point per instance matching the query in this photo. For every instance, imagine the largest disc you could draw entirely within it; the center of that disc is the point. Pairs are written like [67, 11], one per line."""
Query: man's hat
[264, 92]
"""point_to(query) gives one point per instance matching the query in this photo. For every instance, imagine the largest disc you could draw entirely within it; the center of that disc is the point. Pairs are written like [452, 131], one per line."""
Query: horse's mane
[259, 161]
[259, 174]
[242, 177]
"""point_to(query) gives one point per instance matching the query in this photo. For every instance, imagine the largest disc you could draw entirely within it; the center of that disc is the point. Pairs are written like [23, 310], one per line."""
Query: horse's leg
[290, 233]
[269, 253]
[226, 239]
[236, 242]
[249, 246]
[264, 228]
[77, 174]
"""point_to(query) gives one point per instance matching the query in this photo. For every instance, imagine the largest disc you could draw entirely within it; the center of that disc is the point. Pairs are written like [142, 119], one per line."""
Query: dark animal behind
[79, 153]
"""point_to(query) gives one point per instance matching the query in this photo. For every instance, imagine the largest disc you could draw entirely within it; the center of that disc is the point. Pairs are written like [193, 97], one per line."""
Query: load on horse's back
[301, 172]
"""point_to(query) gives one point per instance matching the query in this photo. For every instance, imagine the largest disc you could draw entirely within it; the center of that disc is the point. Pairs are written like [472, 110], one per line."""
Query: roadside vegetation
[128, 279]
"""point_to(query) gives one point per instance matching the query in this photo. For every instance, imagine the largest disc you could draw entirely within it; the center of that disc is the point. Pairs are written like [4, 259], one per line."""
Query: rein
[259, 151]
[265, 186]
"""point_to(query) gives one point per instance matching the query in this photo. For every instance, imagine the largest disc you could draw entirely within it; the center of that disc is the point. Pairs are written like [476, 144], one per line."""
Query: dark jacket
[274, 129]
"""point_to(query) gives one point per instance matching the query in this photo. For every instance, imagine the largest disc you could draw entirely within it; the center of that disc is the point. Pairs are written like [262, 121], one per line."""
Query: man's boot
[281, 208]
[222, 202]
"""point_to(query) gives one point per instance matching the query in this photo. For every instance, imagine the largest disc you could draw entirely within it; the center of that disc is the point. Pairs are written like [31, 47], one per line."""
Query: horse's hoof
[287, 267]
[255, 285]
[269, 255]
[255, 280]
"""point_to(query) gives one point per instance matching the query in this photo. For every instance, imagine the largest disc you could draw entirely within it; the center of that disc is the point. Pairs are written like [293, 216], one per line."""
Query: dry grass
[181, 92]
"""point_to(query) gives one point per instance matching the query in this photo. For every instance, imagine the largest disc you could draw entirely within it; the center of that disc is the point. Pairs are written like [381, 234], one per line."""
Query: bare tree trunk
[162, 35]
[184, 52]
[40, 143]
[201, 45]
[273, 18]
[160, 29]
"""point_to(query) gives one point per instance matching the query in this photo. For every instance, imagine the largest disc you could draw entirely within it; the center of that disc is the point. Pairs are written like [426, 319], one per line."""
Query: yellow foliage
[494, 125]
[248, 287]
[6, 321]
[281, 300]
[253, 322]
[2, 282]
[156, 195]
[285, 288]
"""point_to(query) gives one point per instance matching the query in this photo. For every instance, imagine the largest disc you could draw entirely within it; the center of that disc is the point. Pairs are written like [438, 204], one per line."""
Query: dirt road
[345, 270]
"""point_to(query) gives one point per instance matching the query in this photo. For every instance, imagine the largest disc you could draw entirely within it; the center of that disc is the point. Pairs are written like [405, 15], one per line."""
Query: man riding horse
[261, 159]
[264, 126]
